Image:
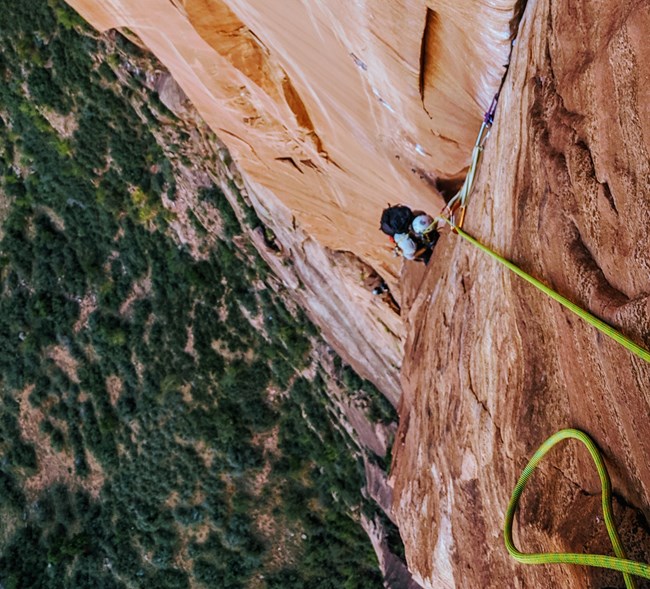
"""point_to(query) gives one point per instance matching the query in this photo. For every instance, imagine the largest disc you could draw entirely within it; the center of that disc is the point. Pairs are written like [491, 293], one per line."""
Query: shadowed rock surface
[492, 366]
[396, 575]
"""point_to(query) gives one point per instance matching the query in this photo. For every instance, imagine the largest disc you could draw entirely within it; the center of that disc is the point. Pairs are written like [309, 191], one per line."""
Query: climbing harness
[619, 562]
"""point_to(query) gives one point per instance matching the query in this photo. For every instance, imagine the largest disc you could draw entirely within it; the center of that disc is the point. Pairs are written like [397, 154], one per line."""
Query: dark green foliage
[216, 197]
[173, 431]
[11, 495]
[379, 408]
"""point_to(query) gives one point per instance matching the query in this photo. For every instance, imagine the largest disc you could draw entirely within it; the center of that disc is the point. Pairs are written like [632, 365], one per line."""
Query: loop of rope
[619, 562]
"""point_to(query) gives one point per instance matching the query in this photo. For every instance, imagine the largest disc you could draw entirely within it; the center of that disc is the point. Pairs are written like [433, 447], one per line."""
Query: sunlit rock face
[492, 366]
[333, 108]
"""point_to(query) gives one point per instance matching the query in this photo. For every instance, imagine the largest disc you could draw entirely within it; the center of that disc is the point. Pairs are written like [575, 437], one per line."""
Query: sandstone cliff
[493, 367]
[331, 110]
[334, 108]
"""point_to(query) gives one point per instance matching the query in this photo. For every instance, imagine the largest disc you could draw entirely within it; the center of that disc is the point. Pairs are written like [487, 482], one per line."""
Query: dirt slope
[492, 367]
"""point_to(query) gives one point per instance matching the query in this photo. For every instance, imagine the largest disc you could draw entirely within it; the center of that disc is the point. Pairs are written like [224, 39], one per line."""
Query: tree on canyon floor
[157, 439]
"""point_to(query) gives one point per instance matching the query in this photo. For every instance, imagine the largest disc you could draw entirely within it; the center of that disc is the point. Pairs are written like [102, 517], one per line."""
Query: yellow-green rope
[579, 311]
[618, 562]
[460, 198]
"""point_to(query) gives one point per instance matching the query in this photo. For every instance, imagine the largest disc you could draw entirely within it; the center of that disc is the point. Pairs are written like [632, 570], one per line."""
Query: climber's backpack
[396, 219]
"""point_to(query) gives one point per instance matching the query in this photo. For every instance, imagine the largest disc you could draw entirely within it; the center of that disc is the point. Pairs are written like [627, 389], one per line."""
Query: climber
[414, 233]
[382, 291]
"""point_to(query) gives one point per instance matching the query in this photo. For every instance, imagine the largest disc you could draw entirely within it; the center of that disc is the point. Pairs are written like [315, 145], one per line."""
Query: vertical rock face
[333, 108]
[492, 366]
[336, 290]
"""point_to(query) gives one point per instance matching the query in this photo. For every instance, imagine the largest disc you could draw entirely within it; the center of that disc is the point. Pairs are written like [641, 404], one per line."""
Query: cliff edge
[334, 108]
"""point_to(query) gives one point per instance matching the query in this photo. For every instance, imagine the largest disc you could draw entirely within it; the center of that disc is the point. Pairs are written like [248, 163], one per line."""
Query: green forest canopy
[178, 447]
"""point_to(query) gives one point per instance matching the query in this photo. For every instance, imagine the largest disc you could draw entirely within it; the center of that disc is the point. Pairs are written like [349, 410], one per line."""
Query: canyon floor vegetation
[164, 421]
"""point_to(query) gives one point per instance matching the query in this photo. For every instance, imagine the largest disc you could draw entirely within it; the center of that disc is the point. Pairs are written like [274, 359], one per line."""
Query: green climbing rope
[457, 205]
[460, 198]
[617, 563]
[579, 311]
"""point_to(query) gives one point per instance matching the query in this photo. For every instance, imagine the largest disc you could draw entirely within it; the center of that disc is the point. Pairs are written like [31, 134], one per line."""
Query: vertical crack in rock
[299, 110]
[518, 13]
[428, 51]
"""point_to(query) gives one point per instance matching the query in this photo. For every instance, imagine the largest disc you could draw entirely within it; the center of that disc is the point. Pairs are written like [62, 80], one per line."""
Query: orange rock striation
[333, 108]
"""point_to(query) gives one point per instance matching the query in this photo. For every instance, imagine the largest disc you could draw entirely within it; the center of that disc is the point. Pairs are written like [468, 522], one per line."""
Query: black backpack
[396, 219]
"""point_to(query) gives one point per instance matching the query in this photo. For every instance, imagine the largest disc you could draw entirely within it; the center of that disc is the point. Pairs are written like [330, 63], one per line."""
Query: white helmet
[421, 223]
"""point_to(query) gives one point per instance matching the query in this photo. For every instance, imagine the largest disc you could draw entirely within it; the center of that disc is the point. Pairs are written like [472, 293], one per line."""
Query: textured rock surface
[333, 108]
[493, 367]
[336, 289]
